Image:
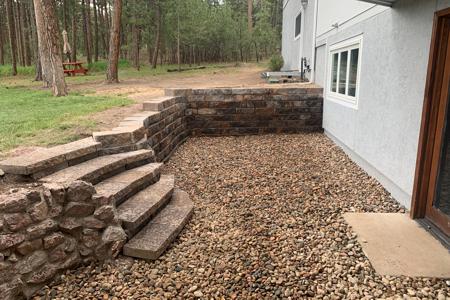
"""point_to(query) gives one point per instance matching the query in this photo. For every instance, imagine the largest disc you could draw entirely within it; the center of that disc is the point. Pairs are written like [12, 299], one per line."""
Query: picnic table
[73, 68]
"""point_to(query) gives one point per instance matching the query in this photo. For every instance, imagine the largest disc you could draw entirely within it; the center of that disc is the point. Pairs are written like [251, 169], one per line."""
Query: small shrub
[276, 63]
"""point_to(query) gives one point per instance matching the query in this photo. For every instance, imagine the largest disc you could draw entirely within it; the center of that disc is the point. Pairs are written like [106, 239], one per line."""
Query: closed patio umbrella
[66, 49]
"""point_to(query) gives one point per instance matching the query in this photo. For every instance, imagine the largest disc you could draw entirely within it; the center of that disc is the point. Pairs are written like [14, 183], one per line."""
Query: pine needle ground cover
[34, 117]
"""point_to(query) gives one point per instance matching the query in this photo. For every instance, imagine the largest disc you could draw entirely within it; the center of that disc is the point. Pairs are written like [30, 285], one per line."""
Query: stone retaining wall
[169, 130]
[242, 111]
[45, 230]
[166, 122]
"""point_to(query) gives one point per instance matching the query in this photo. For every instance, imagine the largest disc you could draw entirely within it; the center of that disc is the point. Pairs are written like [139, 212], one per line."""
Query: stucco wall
[382, 133]
[290, 47]
[332, 11]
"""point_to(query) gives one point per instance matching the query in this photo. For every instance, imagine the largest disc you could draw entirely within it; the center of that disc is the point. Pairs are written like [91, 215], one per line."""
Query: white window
[344, 71]
[298, 25]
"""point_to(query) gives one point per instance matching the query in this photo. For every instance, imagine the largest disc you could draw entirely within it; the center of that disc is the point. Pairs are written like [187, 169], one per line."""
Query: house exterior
[376, 61]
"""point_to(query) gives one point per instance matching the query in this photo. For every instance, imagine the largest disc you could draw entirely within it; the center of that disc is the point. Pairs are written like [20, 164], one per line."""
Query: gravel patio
[267, 224]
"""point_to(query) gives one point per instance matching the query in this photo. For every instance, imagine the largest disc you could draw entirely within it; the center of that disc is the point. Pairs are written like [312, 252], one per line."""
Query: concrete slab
[397, 245]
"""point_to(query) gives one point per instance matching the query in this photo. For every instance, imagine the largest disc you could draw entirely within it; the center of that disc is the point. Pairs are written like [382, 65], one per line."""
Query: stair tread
[42, 159]
[157, 235]
[125, 183]
[137, 210]
[159, 103]
[94, 168]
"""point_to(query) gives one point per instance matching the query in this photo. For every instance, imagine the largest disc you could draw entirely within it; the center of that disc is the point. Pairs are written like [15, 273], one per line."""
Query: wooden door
[431, 196]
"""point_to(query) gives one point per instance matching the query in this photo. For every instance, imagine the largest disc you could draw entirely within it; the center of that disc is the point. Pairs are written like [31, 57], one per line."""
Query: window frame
[296, 37]
[340, 47]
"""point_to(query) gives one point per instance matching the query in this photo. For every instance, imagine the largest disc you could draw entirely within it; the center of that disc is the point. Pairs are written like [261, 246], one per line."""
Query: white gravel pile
[267, 224]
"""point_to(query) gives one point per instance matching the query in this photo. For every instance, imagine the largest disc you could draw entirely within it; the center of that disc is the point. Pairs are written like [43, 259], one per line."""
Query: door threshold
[435, 231]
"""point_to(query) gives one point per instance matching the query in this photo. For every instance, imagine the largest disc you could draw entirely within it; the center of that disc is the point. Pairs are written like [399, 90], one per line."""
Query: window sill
[342, 100]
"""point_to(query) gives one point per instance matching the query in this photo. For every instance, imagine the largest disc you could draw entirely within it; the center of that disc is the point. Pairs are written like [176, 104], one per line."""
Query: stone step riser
[126, 184]
[101, 168]
[42, 162]
[136, 188]
[162, 230]
[137, 211]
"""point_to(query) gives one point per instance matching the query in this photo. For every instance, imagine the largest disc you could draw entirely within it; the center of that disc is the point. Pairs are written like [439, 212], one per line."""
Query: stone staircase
[124, 174]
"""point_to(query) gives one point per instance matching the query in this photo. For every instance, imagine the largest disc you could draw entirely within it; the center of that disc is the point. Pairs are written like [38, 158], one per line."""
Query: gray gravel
[268, 224]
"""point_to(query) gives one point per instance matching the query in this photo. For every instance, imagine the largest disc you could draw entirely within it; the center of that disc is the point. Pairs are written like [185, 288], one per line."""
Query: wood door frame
[429, 123]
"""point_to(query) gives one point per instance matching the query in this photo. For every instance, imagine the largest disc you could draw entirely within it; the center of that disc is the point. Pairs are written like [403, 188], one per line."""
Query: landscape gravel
[267, 225]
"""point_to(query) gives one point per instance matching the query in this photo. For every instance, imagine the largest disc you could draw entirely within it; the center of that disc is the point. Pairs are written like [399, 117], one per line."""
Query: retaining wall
[242, 111]
[45, 230]
[166, 122]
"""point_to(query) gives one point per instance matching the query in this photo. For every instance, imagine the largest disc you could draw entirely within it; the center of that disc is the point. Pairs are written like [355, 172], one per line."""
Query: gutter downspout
[313, 53]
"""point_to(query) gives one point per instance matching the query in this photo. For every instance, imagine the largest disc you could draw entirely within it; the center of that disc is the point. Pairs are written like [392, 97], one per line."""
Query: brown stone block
[14, 202]
[44, 274]
[10, 240]
[250, 91]
[31, 262]
[28, 247]
[17, 221]
[53, 240]
[41, 229]
[78, 209]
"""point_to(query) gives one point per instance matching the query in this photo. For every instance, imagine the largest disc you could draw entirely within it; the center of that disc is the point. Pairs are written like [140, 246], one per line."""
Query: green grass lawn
[97, 71]
[34, 117]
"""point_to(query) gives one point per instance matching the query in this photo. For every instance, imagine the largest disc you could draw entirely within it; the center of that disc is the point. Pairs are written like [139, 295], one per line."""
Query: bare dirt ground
[147, 87]
[141, 89]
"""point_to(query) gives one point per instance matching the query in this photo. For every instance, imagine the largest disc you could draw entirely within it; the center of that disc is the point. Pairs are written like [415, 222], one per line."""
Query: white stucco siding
[338, 11]
[290, 47]
[382, 133]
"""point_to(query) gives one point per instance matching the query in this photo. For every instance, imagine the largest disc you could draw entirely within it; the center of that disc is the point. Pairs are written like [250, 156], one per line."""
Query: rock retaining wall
[167, 121]
[45, 230]
[242, 111]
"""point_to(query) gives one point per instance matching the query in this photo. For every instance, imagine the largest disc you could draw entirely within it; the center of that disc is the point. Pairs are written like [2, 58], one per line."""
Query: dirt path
[141, 89]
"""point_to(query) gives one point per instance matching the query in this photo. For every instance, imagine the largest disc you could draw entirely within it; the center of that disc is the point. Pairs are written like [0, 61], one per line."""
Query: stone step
[157, 235]
[159, 104]
[124, 185]
[100, 168]
[136, 211]
[52, 159]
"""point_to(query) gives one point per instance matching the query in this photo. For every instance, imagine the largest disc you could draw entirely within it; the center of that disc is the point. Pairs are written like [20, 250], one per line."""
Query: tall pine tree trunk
[135, 33]
[250, 15]
[19, 34]
[107, 26]
[12, 35]
[112, 74]
[2, 38]
[74, 32]
[89, 29]
[158, 33]
[96, 37]
[49, 47]
[86, 28]
[25, 32]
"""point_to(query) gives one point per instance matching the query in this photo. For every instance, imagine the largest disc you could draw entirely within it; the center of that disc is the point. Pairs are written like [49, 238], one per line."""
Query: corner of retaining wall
[177, 92]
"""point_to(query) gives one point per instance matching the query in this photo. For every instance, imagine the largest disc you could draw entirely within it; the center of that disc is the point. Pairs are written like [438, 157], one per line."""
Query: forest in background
[151, 31]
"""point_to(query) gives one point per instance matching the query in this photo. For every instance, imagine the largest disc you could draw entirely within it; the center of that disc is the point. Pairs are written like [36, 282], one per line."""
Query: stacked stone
[241, 111]
[162, 126]
[170, 130]
[47, 229]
